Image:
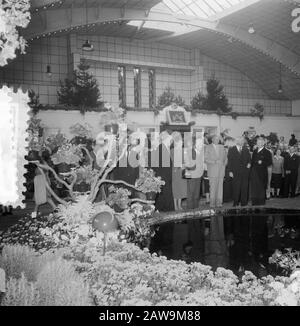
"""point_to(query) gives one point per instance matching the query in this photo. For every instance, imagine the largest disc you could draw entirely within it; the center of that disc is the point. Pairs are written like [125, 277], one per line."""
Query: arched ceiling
[219, 31]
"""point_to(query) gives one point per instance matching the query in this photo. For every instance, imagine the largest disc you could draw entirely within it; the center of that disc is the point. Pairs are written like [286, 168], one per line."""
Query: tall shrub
[198, 102]
[216, 99]
[168, 97]
[82, 91]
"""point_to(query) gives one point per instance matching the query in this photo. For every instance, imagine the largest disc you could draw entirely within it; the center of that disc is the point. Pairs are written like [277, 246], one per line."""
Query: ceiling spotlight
[48, 71]
[87, 46]
[280, 89]
[251, 29]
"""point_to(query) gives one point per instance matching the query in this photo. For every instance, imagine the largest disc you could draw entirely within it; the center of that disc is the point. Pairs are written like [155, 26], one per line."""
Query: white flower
[294, 287]
[83, 230]
[34, 214]
[64, 237]
[295, 274]
[277, 286]
[286, 298]
[95, 241]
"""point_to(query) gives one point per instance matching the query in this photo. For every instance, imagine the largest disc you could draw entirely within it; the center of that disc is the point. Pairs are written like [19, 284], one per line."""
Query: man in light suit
[216, 160]
[194, 170]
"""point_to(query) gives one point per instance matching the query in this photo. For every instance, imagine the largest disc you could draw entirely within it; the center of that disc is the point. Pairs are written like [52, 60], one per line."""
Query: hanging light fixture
[251, 29]
[87, 46]
[280, 88]
[48, 69]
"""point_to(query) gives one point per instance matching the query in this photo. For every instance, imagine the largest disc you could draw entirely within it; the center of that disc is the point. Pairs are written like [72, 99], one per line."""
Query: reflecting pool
[236, 242]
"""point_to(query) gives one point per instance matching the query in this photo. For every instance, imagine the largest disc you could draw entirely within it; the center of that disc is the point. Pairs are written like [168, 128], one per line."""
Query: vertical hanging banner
[13, 145]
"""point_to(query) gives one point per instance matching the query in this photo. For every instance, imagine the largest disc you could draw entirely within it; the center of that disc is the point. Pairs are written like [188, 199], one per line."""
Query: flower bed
[28, 232]
[126, 275]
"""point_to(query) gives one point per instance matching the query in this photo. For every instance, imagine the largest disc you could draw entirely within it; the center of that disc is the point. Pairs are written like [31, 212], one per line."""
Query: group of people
[256, 171]
[198, 167]
[248, 173]
[194, 168]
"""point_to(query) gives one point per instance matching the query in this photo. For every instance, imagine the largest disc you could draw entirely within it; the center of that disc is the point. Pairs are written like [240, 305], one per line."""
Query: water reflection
[236, 242]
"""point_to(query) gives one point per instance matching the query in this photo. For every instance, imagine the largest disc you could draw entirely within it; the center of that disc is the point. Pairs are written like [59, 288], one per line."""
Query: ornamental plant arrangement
[94, 171]
[149, 184]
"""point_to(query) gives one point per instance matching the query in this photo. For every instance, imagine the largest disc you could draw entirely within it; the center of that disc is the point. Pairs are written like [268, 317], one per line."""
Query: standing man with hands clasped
[239, 164]
[259, 179]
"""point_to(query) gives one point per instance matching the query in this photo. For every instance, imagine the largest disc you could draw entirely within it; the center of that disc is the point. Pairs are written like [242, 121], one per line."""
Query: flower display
[118, 196]
[148, 182]
[67, 153]
[288, 261]
[77, 212]
[53, 142]
[29, 232]
[135, 227]
[14, 14]
[129, 275]
[85, 174]
[35, 129]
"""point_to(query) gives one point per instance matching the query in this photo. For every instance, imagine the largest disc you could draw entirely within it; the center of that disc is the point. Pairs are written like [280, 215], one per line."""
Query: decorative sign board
[175, 115]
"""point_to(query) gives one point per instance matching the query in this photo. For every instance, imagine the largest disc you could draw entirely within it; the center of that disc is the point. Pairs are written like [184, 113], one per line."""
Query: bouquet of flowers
[148, 182]
[35, 133]
[67, 153]
[135, 227]
[55, 141]
[118, 197]
[85, 174]
[288, 261]
[112, 115]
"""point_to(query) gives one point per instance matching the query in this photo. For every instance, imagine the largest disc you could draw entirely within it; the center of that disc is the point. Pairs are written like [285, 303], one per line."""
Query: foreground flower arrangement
[127, 275]
[56, 261]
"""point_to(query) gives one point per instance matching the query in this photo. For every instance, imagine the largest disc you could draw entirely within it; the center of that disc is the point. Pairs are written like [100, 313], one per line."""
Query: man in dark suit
[239, 163]
[291, 166]
[259, 178]
[161, 164]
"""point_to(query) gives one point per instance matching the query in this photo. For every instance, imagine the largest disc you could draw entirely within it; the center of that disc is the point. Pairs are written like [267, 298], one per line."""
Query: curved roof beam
[67, 20]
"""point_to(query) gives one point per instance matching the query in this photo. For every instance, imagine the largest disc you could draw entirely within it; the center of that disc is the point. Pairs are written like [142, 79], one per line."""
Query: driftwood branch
[142, 201]
[104, 172]
[49, 168]
[88, 154]
[119, 182]
[99, 183]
